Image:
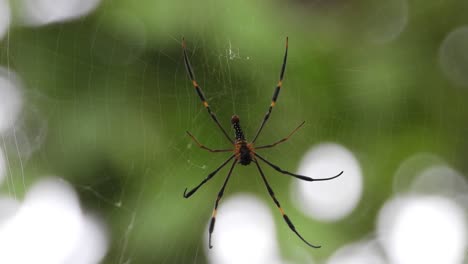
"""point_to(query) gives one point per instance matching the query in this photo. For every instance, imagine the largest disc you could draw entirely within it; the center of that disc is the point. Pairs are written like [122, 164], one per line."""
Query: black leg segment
[301, 177]
[215, 210]
[275, 94]
[200, 93]
[285, 217]
[191, 192]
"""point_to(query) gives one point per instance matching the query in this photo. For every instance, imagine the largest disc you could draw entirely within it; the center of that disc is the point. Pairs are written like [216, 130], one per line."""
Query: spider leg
[188, 194]
[282, 140]
[206, 148]
[215, 210]
[200, 93]
[275, 94]
[286, 218]
[305, 178]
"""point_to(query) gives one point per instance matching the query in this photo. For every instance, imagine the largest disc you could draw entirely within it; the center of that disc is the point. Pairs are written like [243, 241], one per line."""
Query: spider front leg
[301, 177]
[275, 94]
[285, 217]
[215, 209]
[206, 148]
[282, 140]
[200, 93]
[191, 192]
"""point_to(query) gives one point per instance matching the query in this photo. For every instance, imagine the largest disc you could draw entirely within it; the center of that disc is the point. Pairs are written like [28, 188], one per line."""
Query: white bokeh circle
[42, 12]
[244, 233]
[10, 99]
[328, 200]
[5, 17]
[410, 168]
[440, 179]
[45, 227]
[8, 207]
[49, 227]
[453, 56]
[385, 20]
[93, 243]
[2, 166]
[423, 229]
[362, 252]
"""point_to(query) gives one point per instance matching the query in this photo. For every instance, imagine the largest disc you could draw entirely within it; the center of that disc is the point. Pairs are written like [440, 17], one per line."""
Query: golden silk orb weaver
[243, 151]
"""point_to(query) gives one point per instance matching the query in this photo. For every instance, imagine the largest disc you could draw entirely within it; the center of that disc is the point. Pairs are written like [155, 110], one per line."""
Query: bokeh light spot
[41, 12]
[367, 252]
[423, 229]
[386, 20]
[453, 56]
[328, 200]
[47, 228]
[8, 208]
[10, 99]
[440, 180]
[92, 245]
[2, 166]
[410, 168]
[244, 233]
[5, 17]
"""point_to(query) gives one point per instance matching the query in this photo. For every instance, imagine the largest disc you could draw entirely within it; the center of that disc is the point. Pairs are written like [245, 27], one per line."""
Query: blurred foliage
[114, 94]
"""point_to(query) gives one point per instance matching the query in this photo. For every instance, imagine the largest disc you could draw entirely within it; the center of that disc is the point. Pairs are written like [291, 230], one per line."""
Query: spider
[245, 152]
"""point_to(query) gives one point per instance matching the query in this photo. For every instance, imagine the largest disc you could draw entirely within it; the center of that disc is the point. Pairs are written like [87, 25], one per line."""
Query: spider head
[237, 128]
[235, 119]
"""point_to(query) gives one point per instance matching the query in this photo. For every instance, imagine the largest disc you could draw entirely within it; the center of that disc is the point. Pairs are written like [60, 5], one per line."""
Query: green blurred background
[108, 102]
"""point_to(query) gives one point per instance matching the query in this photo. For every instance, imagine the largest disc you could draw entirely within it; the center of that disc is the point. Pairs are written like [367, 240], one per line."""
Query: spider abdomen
[245, 154]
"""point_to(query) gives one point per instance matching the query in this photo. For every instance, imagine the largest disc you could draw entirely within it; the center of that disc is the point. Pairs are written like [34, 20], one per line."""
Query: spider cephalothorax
[244, 152]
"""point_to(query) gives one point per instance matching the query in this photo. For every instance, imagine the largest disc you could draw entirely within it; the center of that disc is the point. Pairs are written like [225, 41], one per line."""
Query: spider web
[107, 101]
